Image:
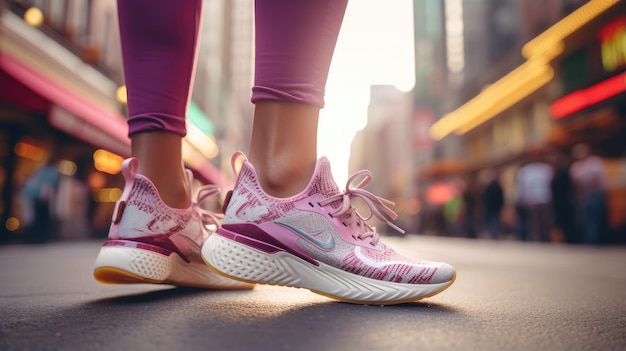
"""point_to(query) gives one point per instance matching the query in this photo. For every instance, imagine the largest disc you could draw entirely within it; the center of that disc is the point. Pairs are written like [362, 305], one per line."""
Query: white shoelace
[375, 203]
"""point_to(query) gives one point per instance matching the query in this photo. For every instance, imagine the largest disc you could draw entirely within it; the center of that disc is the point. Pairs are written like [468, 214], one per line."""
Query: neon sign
[613, 44]
[584, 98]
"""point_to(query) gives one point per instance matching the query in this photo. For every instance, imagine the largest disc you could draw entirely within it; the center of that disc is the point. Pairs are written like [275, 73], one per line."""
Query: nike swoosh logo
[326, 245]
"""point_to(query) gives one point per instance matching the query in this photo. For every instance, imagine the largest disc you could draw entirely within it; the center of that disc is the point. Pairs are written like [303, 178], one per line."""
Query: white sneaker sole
[126, 265]
[247, 264]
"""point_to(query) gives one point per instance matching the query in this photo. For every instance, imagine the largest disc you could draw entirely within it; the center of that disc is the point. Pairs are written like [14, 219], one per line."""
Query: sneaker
[316, 240]
[150, 242]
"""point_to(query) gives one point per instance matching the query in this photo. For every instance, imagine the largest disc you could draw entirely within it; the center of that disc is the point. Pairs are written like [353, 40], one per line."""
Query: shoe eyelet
[311, 204]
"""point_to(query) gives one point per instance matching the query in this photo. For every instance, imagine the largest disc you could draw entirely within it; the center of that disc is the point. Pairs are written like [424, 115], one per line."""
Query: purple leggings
[295, 40]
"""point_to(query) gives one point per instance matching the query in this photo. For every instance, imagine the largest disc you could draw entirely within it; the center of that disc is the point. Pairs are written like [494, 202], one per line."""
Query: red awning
[107, 122]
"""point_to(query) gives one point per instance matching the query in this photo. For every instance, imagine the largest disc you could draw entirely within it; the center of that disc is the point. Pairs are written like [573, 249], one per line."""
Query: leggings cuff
[157, 122]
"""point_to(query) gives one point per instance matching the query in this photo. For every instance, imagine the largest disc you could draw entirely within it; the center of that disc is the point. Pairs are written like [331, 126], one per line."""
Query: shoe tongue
[323, 182]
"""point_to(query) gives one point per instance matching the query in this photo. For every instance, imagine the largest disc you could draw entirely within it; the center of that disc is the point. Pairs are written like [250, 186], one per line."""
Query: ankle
[175, 195]
[159, 154]
[283, 179]
[174, 191]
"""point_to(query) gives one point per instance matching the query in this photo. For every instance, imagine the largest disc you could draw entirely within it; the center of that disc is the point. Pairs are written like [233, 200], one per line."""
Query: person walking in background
[494, 203]
[286, 222]
[588, 175]
[534, 200]
[37, 201]
[469, 208]
[562, 192]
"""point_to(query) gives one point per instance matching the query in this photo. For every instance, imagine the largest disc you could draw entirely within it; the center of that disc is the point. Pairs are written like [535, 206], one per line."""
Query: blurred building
[535, 79]
[481, 43]
[395, 143]
[224, 74]
[62, 100]
[381, 147]
[500, 83]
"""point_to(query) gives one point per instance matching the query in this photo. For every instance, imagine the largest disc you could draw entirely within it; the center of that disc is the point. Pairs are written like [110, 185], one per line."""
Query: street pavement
[508, 296]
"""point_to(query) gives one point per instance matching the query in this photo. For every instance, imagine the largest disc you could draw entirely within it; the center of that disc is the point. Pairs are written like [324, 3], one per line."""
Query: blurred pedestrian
[588, 175]
[286, 222]
[37, 200]
[562, 192]
[494, 203]
[469, 208]
[534, 199]
[72, 206]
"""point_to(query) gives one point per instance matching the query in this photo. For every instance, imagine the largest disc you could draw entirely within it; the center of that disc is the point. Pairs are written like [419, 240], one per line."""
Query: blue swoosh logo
[326, 245]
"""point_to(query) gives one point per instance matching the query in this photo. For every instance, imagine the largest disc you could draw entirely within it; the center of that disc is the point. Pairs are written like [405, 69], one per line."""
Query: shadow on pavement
[320, 324]
[265, 318]
[166, 294]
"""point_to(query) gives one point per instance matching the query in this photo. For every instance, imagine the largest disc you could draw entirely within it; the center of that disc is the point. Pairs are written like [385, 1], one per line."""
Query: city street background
[478, 118]
[509, 295]
[496, 126]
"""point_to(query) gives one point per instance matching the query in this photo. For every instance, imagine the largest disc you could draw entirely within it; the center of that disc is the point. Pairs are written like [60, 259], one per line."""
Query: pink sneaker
[150, 242]
[316, 240]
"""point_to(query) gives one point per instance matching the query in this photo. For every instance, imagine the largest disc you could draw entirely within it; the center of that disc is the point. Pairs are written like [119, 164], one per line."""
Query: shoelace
[208, 217]
[375, 203]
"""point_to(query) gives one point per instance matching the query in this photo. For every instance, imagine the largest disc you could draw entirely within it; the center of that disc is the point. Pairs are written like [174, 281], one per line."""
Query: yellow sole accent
[112, 275]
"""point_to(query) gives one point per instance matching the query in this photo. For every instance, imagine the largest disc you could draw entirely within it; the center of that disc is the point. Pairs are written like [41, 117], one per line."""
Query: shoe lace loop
[208, 217]
[376, 204]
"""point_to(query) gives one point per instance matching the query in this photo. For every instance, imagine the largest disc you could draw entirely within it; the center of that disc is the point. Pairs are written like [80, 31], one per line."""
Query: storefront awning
[103, 121]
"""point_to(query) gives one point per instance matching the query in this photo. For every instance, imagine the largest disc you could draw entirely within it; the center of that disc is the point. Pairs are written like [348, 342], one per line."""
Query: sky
[375, 46]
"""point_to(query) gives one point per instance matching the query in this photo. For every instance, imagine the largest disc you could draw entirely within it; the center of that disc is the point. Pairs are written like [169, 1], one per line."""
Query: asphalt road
[508, 296]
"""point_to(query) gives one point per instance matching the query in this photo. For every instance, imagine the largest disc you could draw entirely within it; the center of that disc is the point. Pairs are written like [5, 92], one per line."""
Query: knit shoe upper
[317, 240]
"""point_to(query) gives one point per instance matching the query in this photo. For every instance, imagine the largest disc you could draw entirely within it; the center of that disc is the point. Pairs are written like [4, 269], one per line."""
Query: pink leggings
[295, 40]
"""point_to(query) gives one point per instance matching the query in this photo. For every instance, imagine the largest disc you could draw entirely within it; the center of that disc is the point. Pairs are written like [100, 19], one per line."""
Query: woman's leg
[156, 235]
[295, 41]
[286, 222]
[159, 51]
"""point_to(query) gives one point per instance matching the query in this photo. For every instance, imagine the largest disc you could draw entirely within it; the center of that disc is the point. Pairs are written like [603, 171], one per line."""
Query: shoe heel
[120, 265]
